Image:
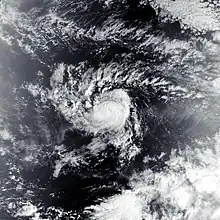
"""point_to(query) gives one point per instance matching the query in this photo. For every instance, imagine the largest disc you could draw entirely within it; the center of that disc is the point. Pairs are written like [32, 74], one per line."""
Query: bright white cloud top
[120, 207]
[111, 112]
